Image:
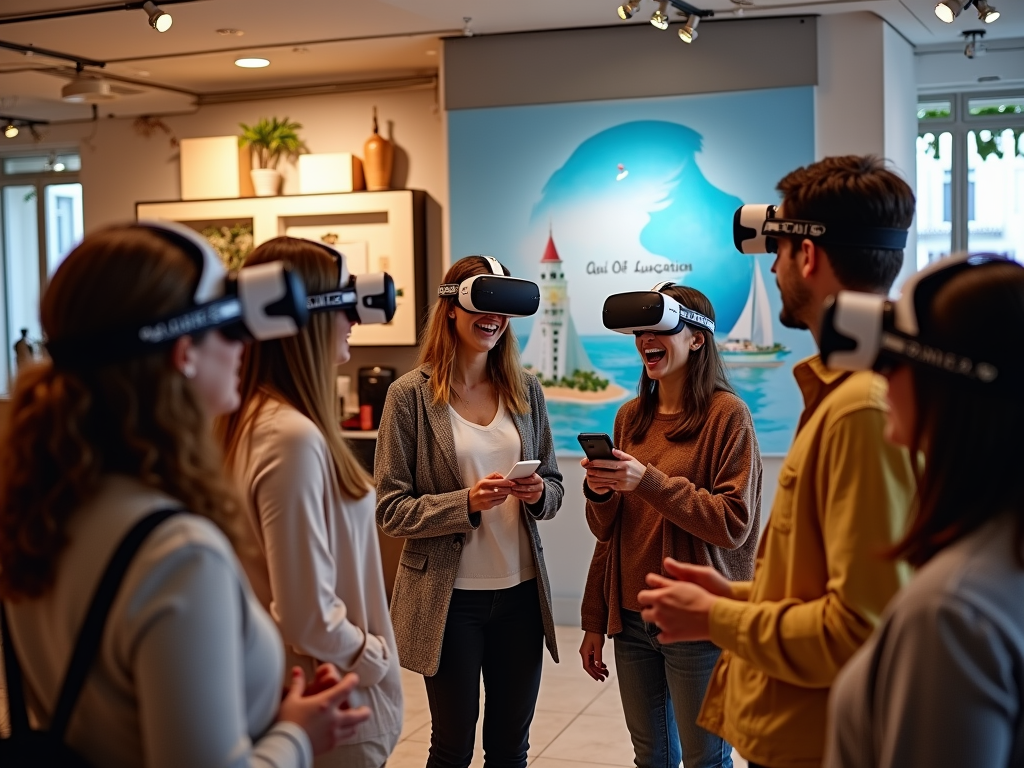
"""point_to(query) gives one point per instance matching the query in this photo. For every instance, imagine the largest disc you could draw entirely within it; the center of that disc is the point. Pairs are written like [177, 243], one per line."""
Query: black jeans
[498, 632]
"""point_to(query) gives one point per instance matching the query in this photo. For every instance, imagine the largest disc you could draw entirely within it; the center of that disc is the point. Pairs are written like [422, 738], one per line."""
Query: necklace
[459, 395]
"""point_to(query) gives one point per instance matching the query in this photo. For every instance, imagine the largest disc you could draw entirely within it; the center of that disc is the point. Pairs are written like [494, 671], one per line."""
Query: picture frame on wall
[377, 232]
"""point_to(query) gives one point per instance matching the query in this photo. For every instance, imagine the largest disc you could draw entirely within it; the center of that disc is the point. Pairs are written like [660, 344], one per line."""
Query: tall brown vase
[378, 157]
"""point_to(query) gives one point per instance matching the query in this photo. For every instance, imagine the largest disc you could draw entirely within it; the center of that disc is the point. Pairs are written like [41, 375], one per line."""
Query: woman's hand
[529, 489]
[680, 609]
[605, 475]
[590, 652]
[325, 716]
[489, 492]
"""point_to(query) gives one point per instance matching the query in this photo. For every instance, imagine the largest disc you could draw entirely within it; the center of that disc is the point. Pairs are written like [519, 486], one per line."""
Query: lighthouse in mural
[554, 349]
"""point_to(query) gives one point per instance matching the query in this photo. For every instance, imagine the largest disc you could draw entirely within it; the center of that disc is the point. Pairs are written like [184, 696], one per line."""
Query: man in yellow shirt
[822, 578]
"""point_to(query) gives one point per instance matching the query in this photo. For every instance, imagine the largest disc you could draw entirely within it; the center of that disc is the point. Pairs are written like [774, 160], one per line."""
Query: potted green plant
[268, 141]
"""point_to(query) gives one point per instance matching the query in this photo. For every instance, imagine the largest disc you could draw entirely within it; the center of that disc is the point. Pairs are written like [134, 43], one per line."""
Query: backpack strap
[89, 636]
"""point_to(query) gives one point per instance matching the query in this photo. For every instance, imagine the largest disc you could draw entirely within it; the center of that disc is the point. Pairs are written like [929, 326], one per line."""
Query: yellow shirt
[820, 580]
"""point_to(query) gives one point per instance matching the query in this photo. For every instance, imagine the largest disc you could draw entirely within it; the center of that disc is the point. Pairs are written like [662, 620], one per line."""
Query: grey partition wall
[628, 61]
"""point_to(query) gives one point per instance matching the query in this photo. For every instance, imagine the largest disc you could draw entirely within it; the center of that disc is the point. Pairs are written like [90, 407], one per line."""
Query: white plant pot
[266, 181]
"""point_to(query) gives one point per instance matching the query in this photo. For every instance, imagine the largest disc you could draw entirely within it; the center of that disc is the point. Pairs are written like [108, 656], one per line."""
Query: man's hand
[679, 608]
[701, 575]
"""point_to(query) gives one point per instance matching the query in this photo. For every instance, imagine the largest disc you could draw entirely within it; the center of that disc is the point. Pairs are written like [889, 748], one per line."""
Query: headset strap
[89, 636]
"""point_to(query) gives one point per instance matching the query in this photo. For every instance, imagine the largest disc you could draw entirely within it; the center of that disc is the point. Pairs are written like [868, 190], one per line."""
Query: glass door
[40, 222]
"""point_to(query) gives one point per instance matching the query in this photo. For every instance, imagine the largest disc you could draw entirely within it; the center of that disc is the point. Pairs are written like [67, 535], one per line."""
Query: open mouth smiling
[653, 354]
[488, 329]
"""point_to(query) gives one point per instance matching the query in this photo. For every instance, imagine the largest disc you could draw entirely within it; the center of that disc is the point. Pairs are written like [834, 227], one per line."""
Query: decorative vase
[378, 157]
[265, 181]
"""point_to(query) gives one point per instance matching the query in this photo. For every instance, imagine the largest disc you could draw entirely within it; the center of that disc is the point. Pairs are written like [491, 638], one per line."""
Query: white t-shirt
[496, 555]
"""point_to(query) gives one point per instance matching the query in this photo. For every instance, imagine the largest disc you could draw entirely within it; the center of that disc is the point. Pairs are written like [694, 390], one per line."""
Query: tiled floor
[579, 722]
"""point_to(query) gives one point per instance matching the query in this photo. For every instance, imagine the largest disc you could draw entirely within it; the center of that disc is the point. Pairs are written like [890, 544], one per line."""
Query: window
[40, 222]
[970, 175]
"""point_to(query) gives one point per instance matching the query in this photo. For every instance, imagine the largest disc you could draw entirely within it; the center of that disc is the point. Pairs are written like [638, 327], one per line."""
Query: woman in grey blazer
[472, 594]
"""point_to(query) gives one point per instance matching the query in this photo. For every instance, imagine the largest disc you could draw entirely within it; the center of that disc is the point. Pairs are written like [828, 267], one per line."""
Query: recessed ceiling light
[142, 72]
[431, 53]
[252, 62]
[228, 32]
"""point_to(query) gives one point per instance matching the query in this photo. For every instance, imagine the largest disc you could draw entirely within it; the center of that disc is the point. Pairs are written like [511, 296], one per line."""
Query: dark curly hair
[70, 427]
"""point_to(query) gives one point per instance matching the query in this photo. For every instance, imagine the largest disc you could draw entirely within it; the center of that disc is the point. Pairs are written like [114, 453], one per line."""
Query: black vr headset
[262, 302]
[494, 294]
[640, 312]
[862, 331]
[367, 299]
[756, 229]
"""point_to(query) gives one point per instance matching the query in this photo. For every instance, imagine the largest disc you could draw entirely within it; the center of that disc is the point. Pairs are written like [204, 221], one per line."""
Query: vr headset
[756, 229]
[267, 301]
[494, 294]
[863, 331]
[640, 312]
[366, 299]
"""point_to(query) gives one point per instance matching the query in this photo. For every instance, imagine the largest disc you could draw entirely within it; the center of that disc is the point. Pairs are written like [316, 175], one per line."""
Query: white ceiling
[321, 42]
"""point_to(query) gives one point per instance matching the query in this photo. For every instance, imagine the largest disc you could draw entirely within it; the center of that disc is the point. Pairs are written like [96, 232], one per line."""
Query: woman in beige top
[188, 672]
[685, 484]
[310, 541]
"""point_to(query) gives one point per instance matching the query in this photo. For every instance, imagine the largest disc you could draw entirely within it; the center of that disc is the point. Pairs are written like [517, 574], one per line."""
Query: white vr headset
[494, 294]
[756, 229]
[262, 302]
[862, 331]
[367, 299]
[652, 311]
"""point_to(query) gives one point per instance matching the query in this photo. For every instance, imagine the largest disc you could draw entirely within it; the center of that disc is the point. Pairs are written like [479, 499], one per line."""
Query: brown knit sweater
[699, 501]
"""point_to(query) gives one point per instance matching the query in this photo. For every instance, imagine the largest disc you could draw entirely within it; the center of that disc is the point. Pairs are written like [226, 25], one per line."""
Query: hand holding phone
[597, 445]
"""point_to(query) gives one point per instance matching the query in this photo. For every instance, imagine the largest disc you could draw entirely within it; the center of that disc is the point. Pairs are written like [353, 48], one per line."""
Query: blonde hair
[440, 341]
[298, 370]
[70, 426]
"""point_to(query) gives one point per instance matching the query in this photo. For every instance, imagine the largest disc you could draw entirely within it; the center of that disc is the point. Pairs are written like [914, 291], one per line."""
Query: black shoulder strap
[89, 636]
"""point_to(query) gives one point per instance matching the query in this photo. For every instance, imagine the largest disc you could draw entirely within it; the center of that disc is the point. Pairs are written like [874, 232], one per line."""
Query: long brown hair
[298, 370]
[440, 342]
[70, 427]
[970, 438]
[705, 375]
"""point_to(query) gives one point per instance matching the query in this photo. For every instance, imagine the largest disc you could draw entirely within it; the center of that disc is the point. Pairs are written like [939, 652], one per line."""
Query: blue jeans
[662, 689]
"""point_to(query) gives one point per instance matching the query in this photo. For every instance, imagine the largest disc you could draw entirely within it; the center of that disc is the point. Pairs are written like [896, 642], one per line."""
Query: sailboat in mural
[750, 342]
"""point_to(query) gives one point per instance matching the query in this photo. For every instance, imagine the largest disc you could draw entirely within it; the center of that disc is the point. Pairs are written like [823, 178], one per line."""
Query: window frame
[959, 124]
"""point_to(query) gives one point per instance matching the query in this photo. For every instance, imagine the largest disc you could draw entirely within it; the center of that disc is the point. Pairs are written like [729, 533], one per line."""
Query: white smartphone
[522, 469]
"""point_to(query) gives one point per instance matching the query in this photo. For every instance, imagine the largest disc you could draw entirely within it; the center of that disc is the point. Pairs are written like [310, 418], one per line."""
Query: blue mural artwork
[595, 198]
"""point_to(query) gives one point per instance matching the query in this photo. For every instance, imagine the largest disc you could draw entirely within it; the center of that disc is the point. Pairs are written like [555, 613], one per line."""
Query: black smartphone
[597, 445]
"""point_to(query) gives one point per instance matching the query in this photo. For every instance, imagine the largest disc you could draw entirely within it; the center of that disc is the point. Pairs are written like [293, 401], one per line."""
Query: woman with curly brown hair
[309, 541]
[115, 427]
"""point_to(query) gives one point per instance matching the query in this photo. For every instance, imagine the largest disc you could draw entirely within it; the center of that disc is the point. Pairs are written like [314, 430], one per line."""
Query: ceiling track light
[11, 131]
[689, 31]
[948, 10]
[974, 48]
[986, 12]
[626, 11]
[159, 20]
[12, 126]
[660, 19]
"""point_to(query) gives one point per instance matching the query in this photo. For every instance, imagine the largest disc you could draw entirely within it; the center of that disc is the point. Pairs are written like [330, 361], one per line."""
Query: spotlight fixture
[986, 12]
[11, 131]
[467, 31]
[974, 48]
[252, 62]
[660, 18]
[159, 20]
[626, 11]
[947, 10]
[689, 31]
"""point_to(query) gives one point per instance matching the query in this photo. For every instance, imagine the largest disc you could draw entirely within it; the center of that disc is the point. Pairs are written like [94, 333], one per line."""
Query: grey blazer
[422, 498]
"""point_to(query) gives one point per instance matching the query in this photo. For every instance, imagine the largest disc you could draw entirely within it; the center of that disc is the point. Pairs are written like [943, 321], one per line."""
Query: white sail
[761, 331]
[744, 328]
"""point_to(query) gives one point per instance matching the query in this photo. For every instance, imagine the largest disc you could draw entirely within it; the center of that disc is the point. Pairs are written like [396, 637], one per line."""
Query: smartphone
[597, 445]
[522, 469]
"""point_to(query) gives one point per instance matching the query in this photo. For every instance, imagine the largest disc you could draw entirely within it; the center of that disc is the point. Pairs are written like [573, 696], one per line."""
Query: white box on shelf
[213, 168]
[333, 172]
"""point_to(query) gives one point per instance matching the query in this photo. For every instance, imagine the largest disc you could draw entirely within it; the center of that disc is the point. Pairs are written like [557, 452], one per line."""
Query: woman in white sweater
[310, 544]
[117, 426]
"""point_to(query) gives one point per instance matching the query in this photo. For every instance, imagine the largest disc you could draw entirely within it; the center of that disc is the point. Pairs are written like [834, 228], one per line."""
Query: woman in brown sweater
[686, 484]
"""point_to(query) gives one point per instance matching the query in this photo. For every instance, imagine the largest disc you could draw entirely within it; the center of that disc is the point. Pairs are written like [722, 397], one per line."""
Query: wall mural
[593, 198]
